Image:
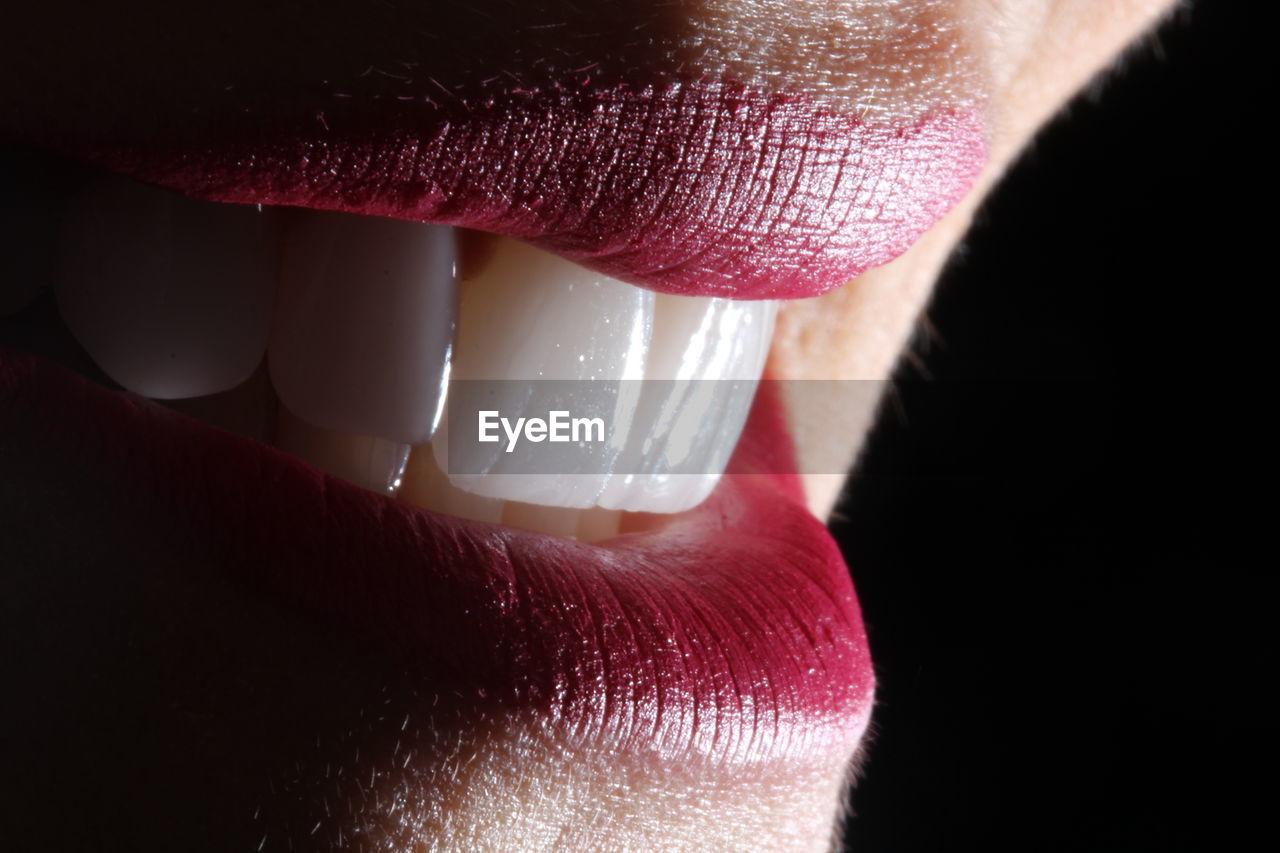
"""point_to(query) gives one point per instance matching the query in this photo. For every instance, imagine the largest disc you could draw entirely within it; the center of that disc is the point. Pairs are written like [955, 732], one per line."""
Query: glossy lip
[693, 187]
[732, 634]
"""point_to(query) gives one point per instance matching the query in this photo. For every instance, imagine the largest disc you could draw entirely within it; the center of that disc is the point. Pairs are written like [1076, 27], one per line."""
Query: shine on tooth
[704, 365]
[170, 296]
[364, 318]
[529, 315]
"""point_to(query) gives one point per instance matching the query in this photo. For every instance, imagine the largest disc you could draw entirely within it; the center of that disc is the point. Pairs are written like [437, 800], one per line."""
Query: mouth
[347, 265]
[303, 394]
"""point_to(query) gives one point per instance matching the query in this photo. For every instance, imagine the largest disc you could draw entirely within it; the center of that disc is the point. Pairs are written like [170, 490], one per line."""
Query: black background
[1044, 529]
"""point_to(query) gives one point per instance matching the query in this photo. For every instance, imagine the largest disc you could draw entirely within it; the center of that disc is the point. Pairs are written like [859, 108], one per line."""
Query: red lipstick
[701, 188]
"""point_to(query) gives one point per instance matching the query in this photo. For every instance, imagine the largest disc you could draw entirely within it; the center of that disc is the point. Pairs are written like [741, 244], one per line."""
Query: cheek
[883, 60]
[1041, 53]
[1036, 56]
[836, 353]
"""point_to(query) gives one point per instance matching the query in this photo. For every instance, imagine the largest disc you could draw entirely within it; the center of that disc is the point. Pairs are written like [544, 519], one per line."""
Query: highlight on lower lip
[700, 188]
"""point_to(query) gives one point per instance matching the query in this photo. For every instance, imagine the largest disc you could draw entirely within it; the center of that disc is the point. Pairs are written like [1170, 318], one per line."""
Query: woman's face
[217, 648]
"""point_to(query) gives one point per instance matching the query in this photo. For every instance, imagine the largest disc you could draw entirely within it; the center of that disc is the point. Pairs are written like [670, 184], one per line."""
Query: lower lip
[733, 632]
[699, 188]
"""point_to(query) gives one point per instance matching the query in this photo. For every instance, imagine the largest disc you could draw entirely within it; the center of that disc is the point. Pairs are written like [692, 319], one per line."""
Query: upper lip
[696, 187]
[733, 633]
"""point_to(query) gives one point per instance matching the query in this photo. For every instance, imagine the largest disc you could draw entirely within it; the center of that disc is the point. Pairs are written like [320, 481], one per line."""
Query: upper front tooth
[364, 318]
[170, 296]
[704, 364]
[529, 315]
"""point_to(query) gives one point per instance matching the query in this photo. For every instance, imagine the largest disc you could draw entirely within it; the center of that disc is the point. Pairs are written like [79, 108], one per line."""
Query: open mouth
[332, 337]
[314, 289]
[361, 322]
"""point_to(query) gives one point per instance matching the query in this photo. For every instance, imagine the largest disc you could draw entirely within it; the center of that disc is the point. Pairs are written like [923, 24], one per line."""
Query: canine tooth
[364, 318]
[704, 364]
[369, 461]
[30, 213]
[170, 296]
[529, 315]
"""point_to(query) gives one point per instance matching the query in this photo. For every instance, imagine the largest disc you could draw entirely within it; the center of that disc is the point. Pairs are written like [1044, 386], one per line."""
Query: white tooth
[425, 485]
[30, 212]
[597, 523]
[558, 521]
[585, 525]
[529, 315]
[364, 319]
[170, 296]
[704, 364]
[374, 463]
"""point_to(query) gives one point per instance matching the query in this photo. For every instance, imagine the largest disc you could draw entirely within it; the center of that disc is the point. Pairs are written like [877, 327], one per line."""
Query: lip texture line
[732, 635]
[701, 188]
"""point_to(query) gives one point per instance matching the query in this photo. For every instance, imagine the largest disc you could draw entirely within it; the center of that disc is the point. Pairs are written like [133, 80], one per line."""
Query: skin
[247, 690]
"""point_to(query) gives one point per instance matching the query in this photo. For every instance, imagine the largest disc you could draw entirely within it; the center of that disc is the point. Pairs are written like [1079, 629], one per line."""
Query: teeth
[249, 409]
[364, 319]
[173, 298]
[596, 524]
[555, 520]
[704, 364]
[30, 213]
[425, 485]
[374, 463]
[170, 296]
[528, 315]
